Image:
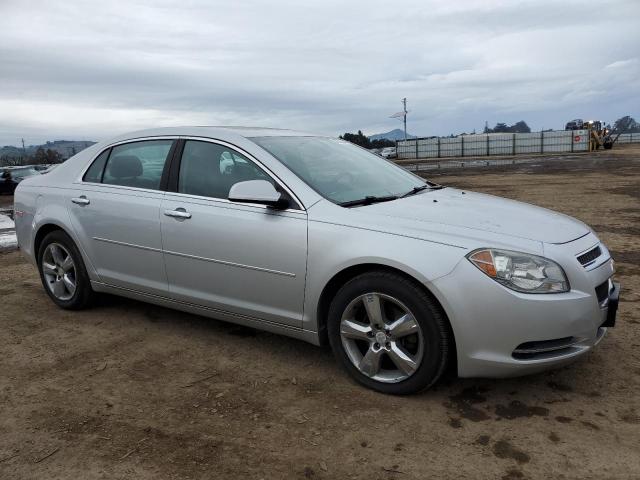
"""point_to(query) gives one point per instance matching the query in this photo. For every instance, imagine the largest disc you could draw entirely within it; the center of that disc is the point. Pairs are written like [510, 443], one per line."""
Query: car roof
[220, 132]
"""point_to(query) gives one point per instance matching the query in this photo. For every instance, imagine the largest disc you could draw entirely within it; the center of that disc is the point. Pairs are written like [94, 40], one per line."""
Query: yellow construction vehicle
[596, 128]
[600, 135]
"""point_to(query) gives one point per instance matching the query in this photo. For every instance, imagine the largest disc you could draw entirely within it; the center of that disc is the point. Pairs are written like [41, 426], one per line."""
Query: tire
[414, 330]
[60, 279]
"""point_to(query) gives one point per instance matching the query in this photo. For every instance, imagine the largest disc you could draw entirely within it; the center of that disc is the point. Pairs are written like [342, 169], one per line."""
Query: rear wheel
[388, 333]
[63, 273]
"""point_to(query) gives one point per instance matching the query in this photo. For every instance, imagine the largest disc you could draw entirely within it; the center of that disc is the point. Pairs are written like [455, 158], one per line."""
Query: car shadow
[472, 399]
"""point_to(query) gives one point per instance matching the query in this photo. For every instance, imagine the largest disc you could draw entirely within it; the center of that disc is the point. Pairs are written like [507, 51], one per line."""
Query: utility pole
[404, 111]
[403, 114]
[23, 149]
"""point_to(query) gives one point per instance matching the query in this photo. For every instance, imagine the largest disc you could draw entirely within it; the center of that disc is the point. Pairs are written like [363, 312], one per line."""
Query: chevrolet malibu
[318, 239]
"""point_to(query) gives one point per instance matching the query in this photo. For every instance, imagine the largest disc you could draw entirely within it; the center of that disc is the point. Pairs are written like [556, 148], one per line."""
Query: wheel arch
[42, 231]
[339, 279]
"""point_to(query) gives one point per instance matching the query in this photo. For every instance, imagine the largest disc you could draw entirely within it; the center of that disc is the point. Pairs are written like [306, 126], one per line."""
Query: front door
[242, 259]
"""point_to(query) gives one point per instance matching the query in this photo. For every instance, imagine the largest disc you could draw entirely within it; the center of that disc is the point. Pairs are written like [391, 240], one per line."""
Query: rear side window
[137, 164]
[94, 174]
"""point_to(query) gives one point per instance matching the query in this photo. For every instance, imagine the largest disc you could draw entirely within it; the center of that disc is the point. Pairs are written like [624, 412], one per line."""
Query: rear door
[242, 259]
[115, 212]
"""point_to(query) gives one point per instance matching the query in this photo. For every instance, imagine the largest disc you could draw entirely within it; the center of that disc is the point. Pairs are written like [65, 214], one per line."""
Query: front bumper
[612, 305]
[502, 333]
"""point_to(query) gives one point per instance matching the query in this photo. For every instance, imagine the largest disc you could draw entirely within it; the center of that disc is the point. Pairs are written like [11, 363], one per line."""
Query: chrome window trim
[201, 200]
[122, 189]
[241, 151]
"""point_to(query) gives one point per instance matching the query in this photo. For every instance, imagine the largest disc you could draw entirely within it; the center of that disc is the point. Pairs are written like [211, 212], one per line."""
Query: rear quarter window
[94, 173]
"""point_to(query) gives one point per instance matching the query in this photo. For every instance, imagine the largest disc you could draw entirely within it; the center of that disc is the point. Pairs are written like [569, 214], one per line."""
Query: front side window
[137, 164]
[338, 170]
[210, 170]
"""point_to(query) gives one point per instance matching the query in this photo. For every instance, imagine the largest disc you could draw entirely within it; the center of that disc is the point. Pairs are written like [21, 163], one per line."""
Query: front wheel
[388, 333]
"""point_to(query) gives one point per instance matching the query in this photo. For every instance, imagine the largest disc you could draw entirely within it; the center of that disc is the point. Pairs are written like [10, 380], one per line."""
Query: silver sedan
[318, 239]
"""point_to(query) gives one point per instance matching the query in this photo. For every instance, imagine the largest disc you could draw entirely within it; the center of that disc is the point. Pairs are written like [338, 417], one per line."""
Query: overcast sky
[78, 69]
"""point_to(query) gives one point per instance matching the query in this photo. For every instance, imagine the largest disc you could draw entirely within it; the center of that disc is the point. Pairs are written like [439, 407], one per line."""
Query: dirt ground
[6, 201]
[129, 390]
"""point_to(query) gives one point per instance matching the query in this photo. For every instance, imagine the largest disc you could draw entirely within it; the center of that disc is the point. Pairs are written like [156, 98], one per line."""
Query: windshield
[338, 170]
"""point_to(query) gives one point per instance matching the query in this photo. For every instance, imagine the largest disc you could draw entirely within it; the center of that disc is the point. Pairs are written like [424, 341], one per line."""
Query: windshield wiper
[430, 186]
[368, 200]
[415, 190]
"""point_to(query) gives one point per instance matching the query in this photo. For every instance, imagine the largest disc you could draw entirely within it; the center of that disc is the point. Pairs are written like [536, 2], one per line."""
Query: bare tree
[7, 161]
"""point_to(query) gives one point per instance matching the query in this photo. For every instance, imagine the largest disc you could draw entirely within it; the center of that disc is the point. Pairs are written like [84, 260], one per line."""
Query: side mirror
[257, 191]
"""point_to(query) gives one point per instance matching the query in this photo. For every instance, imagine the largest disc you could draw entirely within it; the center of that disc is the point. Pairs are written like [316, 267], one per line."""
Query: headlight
[521, 271]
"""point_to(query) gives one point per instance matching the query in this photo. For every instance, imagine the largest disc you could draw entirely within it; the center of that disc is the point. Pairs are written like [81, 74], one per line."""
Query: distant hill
[66, 148]
[396, 134]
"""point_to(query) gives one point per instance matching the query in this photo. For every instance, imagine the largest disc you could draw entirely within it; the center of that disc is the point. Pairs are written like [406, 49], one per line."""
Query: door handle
[81, 200]
[177, 213]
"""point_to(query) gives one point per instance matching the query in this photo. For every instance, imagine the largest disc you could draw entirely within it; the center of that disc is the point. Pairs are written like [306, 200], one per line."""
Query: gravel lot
[129, 390]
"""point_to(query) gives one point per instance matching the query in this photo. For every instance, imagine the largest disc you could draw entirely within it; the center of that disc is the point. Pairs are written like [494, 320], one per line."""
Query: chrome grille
[589, 257]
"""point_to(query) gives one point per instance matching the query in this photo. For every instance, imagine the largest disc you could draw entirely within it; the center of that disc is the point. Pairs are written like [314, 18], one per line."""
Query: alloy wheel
[381, 337]
[59, 271]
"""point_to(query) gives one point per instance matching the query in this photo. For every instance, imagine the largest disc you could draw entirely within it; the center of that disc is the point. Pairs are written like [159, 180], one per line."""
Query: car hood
[472, 211]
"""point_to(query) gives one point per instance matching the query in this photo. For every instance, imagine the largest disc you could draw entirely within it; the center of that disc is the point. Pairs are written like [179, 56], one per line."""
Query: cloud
[94, 69]
[629, 63]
